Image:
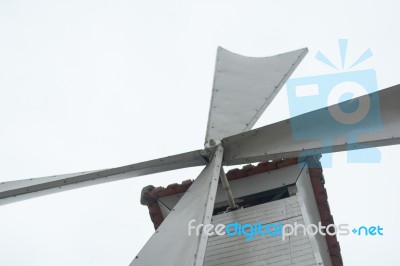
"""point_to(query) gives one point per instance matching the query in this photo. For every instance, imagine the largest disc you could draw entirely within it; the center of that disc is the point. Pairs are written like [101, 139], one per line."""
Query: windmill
[243, 88]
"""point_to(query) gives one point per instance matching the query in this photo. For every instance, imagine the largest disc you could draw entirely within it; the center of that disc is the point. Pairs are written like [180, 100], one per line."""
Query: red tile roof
[150, 195]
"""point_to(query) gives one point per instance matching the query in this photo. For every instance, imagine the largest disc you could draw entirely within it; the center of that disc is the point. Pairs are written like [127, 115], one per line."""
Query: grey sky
[94, 84]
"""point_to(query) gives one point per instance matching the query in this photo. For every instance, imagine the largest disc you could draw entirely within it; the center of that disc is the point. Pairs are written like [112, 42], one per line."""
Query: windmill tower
[243, 88]
[281, 191]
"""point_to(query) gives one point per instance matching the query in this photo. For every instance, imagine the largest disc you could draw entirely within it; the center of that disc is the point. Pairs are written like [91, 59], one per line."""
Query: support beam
[227, 188]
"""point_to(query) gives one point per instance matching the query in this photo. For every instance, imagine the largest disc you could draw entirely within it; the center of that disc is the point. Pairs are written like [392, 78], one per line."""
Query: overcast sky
[88, 85]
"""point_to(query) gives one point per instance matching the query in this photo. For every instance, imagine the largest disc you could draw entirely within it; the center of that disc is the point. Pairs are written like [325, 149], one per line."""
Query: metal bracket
[208, 153]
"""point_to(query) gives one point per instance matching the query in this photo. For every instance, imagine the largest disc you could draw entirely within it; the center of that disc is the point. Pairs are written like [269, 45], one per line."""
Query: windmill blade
[13, 191]
[172, 238]
[287, 138]
[243, 88]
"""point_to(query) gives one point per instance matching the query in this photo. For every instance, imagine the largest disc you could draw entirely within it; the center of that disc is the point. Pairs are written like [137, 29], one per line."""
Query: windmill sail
[243, 89]
[278, 141]
[172, 238]
[13, 191]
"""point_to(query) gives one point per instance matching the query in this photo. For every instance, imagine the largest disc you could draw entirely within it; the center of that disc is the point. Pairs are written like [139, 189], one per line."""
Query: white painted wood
[261, 250]
[244, 87]
[311, 215]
